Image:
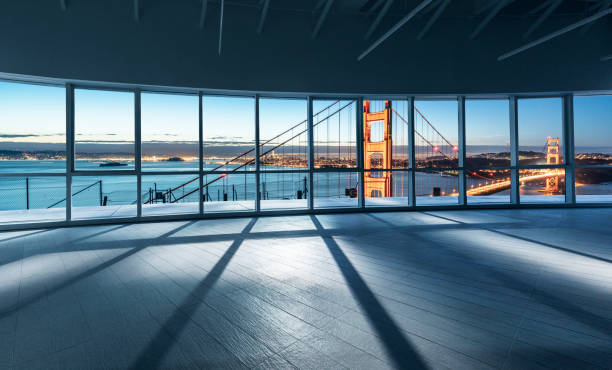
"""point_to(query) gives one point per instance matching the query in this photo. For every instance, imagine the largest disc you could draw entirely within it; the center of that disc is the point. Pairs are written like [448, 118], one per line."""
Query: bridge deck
[446, 289]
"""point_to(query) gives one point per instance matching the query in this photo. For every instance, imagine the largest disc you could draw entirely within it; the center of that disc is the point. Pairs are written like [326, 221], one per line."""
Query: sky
[36, 113]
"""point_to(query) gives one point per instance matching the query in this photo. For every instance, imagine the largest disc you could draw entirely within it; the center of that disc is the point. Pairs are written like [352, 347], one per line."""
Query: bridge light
[224, 175]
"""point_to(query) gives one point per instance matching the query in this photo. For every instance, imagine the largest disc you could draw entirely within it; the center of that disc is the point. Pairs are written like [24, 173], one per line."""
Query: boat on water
[175, 159]
[113, 164]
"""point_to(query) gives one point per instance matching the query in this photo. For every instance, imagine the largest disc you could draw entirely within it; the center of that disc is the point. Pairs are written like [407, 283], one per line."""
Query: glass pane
[283, 134]
[436, 187]
[229, 133]
[103, 197]
[32, 199]
[540, 130]
[335, 189]
[229, 193]
[436, 131]
[487, 133]
[542, 185]
[104, 130]
[177, 194]
[170, 134]
[284, 190]
[593, 185]
[32, 128]
[386, 188]
[334, 132]
[488, 186]
[593, 129]
[382, 117]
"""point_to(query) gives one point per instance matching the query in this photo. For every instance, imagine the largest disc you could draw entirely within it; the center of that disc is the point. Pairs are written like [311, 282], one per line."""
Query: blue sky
[35, 113]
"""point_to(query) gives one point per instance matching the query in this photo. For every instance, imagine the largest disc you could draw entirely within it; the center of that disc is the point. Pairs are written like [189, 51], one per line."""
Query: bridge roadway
[503, 185]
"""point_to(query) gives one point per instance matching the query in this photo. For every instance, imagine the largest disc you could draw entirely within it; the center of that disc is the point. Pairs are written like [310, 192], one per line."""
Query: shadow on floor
[152, 356]
[529, 240]
[600, 324]
[396, 344]
[36, 297]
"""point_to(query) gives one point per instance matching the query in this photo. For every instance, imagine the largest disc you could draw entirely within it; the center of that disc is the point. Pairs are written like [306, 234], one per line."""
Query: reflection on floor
[510, 289]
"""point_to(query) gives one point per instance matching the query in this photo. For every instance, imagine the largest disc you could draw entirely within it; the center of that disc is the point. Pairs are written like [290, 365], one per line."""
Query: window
[487, 162]
[593, 148]
[32, 128]
[334, 133]
[32, 199]
[170, 132]
[170, 194]
[103, 197]
[283, 128]
[540, 131]
[104, 130]
[436, 130]
[229, 154]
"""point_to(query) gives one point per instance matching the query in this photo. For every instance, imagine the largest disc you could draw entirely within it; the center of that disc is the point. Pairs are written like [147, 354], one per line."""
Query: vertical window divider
[257, 169]
[200, 153]
[411, 154]
[461, 151]
[69, 148]
[514, 172]
[568, 143]
[360, 151]
[310, 153]
[138, 150]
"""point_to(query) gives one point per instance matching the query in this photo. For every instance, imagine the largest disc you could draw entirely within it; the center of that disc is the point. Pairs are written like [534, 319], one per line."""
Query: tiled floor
[508, 289]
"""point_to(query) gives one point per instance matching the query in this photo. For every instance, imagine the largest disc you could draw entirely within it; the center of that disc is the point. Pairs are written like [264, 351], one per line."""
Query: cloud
[15, 136]
[104, 142]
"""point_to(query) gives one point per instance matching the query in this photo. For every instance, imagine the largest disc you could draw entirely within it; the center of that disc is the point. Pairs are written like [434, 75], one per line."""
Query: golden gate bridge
[434, 155]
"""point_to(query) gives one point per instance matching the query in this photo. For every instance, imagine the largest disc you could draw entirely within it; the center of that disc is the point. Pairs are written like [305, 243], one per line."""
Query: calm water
[44, 192]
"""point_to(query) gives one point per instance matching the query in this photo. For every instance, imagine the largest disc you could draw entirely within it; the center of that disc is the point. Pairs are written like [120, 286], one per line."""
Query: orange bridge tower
[377, 151]
[552, 157]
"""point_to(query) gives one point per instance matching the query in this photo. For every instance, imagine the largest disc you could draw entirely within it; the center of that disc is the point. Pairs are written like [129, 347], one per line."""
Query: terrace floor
[485, 289]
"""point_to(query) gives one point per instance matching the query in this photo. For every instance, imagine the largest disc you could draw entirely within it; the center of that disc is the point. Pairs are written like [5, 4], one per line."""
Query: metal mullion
[592, 166]
[360, 162]
[568, 153]
[461, 151]
[69, 148]
[305, 170]
[257, 159]
[34, 174]
[411, 154]
[311, 164]
[335, 170]
[201, 152]
[104, 173]
[514, 174]
[163, 173]
[138, 150]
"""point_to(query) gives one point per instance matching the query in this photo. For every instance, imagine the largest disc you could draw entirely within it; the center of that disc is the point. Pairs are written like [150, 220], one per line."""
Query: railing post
[568, 153]
[461, 151]
[310, 119]
[27, 193]
[411, 154]
[514, 172]
[100, 187]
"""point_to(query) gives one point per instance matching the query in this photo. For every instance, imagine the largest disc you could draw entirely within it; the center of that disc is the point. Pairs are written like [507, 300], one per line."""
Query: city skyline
[36, 114]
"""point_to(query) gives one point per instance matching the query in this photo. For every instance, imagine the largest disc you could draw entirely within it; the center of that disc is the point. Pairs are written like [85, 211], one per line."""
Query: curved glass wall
[85, 153]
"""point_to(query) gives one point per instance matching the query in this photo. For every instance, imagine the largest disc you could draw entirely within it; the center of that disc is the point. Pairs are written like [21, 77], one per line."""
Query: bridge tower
[377, 184]
[552, 157]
